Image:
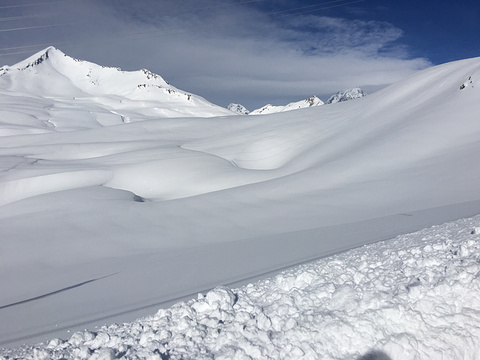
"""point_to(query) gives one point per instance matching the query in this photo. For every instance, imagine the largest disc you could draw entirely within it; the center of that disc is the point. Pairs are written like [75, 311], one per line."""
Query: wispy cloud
[327, 35]
[228, 52]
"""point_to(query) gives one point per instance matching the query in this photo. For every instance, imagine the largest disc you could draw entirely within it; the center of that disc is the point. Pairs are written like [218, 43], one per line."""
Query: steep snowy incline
[414, 297]
[81, 88]
[104, 223]
[51, 73]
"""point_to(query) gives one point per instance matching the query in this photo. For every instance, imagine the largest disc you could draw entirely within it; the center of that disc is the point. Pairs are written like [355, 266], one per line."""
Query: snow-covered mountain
[238, 108]
[104, 224]
[124, 95]
[346, 95]
[340, 96]
[271, 109]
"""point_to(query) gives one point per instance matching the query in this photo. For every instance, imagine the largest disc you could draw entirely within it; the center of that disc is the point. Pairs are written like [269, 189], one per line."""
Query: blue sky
[442, 30]
[251, 52]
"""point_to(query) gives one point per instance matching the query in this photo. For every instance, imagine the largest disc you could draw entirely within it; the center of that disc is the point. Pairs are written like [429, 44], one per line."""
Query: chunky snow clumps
[413, 297]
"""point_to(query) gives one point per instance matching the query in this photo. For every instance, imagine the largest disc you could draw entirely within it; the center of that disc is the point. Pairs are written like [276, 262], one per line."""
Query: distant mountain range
[269, 109]
[124, 95]
[340, 96]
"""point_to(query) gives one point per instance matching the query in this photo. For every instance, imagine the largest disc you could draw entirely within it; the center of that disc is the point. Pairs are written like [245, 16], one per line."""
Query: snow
[346, 95]
[340, 96]
[415, 297]
[302, 104]
[238, 108]
[78, 85]
[116, 202]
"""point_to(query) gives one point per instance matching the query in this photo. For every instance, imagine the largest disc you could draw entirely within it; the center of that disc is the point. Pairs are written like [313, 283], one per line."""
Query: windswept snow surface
[108, 211]
[412, 297]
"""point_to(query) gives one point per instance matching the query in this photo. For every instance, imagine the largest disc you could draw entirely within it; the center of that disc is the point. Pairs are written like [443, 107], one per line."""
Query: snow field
[412, 297]
[229, 198]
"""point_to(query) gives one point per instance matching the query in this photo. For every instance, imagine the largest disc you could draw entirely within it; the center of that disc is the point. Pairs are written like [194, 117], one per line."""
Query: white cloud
[236, 53]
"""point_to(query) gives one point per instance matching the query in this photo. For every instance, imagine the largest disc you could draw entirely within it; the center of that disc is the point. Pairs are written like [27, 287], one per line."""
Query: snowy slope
[105, 223]
[346, 95]
[271, 109]
[78, 93]
[413, 297]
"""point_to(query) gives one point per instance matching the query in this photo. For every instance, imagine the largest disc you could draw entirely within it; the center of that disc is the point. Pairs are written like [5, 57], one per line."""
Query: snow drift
[104, 219]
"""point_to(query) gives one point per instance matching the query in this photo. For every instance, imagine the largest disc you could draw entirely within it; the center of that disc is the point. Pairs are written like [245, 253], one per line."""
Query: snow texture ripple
[412, 297]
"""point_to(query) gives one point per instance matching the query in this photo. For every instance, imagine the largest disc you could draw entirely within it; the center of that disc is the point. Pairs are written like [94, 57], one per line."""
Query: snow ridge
[87, 76]
[39, 60]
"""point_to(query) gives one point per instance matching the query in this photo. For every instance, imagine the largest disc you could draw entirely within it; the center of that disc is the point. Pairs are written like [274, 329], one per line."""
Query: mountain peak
[238, 108]
[38, 58]
[52, 74]
[314, 101]
[57, 73]
[346, 95]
